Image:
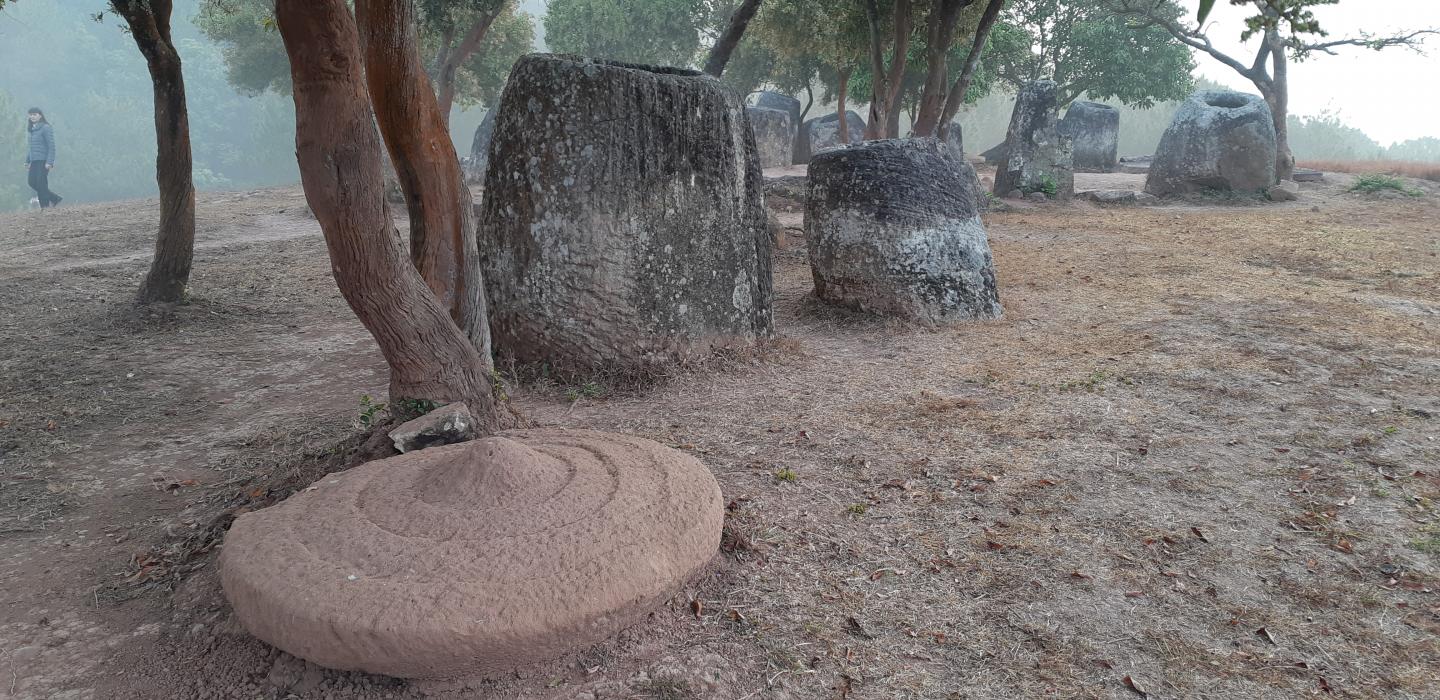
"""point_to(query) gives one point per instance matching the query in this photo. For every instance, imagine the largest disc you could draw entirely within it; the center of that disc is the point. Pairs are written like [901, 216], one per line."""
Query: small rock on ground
[1286, 191]
[443, 426]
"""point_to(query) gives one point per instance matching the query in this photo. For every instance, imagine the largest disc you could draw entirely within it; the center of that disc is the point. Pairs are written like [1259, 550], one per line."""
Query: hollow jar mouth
[658, 70]
[1226, 100]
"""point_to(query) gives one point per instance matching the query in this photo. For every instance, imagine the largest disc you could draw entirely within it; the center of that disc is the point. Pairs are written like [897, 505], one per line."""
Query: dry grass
[1197, 453]
[1415, 169]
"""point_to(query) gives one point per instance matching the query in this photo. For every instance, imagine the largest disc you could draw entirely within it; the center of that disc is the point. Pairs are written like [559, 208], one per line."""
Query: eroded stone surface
[477, 558]
[622, 227]
[822, 133]
[995, 155]
[1094, 131]
[1218, 140]
[480, 149]
[774, 136]
[786, 104]
[1037, 156]
[893, 228]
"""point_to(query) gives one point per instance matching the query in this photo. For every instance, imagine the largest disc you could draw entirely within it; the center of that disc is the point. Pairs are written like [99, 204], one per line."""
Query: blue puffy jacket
[42, 144]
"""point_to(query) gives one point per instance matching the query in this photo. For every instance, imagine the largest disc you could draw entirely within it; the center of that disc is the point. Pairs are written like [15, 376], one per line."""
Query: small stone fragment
[1286, 191]
[443, 426]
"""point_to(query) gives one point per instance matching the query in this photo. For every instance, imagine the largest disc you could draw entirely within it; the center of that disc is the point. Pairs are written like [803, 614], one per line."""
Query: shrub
[1379, 182]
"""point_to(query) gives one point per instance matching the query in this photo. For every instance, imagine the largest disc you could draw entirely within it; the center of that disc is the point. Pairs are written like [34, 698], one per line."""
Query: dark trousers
[40, 182]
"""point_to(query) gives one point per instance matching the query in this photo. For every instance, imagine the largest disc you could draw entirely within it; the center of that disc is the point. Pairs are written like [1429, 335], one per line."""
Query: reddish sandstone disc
[476, 558]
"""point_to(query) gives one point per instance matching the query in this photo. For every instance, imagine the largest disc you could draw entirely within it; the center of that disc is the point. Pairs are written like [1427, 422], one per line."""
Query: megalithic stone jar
[623, 227]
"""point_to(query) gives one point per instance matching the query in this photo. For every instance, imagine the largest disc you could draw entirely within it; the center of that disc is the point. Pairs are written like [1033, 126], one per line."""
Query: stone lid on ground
[474, 559]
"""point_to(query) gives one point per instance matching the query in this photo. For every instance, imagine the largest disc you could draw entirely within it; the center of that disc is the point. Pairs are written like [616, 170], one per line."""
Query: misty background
[92, 83]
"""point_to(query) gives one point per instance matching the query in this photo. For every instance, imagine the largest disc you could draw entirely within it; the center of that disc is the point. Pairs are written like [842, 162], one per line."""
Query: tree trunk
[940, 34]
[840, 106]
[885, 83]
[895, 81]
[1278, 97]
[149, 24]
[442, 226]
[339, 156]
[809, 102]
[454, 58]
[877, 71]
[956, 97]
[725, 45]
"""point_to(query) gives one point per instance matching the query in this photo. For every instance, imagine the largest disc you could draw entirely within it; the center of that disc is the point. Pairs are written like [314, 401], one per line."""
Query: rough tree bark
[940, 34]
[956, 96]
[339, 155]
[452, 58]
[149, 23]
[1278, 97]
[887, 83]
[725, 45]
[442, 226]
[841, 93]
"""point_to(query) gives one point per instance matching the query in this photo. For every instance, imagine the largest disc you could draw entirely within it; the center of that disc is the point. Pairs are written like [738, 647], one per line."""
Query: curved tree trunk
[442, 226]
[940, 34]
[956, 96]
[1278, 97]
[885, 83]
[725, 45]
[339, 155]
[453, 58]
[149, 24]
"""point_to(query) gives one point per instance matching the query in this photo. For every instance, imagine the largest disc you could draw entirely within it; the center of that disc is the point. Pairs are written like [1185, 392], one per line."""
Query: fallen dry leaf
[1196, 531]
[1134, 685]
[1264, 632]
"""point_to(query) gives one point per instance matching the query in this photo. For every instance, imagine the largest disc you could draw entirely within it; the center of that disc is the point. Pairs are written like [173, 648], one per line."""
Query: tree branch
[1411, 40]
[1193, 38]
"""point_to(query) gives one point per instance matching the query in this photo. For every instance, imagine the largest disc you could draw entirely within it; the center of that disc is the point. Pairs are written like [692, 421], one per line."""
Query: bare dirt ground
[1197, 458]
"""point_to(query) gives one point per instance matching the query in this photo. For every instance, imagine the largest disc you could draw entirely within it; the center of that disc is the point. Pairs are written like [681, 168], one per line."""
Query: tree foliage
[256, 62]
[97, 92]
[1288, 32]
[1087, 48]
[657, 32]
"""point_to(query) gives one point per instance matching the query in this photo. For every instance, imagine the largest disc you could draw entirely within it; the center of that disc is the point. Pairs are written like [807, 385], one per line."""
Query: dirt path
[1199, 452]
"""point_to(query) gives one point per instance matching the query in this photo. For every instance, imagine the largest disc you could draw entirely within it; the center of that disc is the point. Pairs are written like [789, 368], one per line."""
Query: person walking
[40, 157]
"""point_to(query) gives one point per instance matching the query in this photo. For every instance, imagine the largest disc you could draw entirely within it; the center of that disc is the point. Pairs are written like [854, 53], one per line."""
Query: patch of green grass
[856, 509]
[1380, 182]
[1048, 185]
[497, 385]
[786, 475]
[369, 409]
[1095, 381]
[406, 409]
[1428, 541]
[588, 390]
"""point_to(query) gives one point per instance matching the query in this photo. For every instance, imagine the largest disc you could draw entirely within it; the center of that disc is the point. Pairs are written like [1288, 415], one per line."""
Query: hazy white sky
[1392, 95]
